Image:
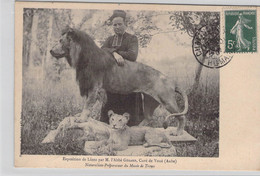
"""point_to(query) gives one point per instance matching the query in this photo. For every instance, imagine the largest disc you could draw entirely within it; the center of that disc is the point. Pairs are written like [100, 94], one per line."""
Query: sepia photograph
[115, 82]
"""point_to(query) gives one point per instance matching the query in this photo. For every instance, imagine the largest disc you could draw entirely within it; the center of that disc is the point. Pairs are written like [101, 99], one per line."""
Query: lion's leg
[88, 103]
[173, 108]
[94, 96]
[170, 104]
[181, 125]
[67, 122]
[149, 106]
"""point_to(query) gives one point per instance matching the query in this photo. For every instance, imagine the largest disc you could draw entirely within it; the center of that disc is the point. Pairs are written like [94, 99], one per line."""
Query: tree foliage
[202, 26]
[144, 24]
[193, 22]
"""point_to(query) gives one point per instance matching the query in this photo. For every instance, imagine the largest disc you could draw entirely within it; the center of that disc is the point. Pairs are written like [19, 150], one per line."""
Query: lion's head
[117, 121]
[67, 46]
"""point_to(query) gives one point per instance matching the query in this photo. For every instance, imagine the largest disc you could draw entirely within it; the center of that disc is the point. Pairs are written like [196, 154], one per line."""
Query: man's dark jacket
[128, 48]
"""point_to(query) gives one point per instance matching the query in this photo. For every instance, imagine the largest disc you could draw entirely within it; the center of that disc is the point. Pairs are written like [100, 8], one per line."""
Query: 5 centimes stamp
[240, 27]
[206, 46]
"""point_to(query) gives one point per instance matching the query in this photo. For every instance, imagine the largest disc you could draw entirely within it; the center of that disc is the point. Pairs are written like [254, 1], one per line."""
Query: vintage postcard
[137, 86]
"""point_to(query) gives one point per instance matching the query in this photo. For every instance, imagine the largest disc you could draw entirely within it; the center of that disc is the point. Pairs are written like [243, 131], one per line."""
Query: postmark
[240, 31]
[206, 47]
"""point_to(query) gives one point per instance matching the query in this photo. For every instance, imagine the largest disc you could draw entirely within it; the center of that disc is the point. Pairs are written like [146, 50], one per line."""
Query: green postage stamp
[240, 27]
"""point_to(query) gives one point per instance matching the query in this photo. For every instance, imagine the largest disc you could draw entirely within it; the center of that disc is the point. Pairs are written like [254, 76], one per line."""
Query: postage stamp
[240, 27]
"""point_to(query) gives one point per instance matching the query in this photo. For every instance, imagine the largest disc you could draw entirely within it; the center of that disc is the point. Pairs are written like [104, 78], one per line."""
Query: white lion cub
[121, 135]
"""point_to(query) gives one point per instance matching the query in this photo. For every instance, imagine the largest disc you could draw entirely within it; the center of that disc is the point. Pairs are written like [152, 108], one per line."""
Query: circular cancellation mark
[203, 41]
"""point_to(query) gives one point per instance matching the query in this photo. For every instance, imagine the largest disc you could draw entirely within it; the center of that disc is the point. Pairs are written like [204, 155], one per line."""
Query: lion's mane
[92, 61]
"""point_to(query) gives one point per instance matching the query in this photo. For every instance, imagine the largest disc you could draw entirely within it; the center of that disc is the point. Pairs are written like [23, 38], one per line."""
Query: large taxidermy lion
[97, 69]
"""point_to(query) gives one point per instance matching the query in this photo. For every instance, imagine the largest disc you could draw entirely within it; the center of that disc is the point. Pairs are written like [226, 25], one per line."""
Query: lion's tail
[186, 105]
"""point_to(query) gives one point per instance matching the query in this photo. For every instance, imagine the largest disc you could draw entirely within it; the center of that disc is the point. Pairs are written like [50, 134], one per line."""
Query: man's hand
[119, 59]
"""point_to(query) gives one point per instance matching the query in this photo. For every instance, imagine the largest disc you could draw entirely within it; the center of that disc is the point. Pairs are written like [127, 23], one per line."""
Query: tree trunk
[34, 40]
[197, 76]
[47, 57]
[27, 28]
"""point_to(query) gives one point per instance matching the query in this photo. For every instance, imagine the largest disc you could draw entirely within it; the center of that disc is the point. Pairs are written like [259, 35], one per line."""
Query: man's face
[119, 25]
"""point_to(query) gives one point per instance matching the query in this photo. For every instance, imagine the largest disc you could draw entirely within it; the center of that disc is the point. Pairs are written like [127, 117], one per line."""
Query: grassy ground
[46, 103]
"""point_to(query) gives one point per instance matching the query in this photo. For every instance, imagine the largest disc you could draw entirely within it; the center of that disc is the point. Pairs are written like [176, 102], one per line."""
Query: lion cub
[121, 136]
